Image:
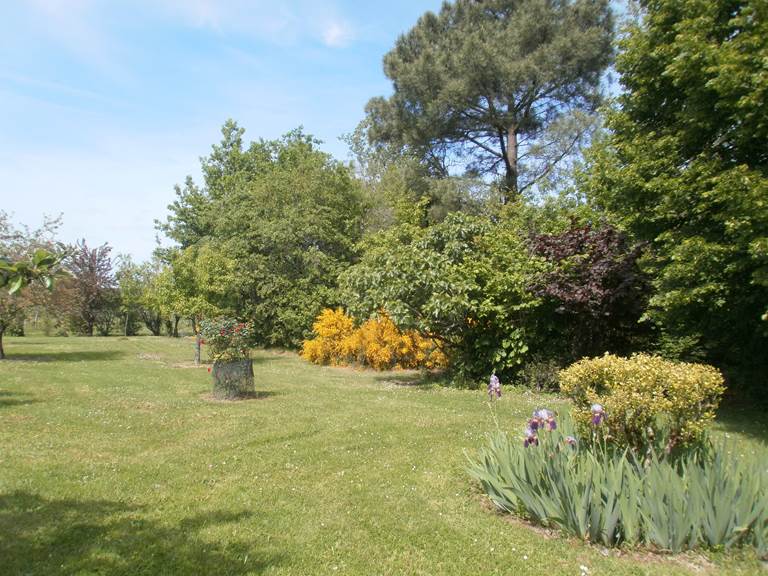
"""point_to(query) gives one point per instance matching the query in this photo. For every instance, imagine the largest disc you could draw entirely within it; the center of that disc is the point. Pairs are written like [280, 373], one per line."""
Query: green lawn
[113, 460]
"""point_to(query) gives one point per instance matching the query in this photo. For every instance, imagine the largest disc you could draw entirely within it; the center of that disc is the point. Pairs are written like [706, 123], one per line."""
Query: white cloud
[274, 22]
[85, 27]
[337, 34]
[281, 22]
[76, 27]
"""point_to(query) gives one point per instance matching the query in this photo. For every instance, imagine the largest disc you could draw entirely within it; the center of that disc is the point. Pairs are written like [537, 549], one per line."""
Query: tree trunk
[198, 343]
[127, 317]
[176, 320]
[510, 162]
[2, 352]
[232, 380]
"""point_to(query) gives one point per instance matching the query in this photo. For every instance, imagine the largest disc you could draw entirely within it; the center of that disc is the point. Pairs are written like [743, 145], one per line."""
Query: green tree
[26, 257]
[495, 85]
[398, 188]
[197, 285]
[287, 214]
[152, 298]
[463, 282]
[684, 167]
[129, 282]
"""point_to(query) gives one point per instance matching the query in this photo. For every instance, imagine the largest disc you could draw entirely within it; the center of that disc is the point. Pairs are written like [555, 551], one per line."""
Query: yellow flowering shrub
[638, 392]
[377, 343]
[331, 328]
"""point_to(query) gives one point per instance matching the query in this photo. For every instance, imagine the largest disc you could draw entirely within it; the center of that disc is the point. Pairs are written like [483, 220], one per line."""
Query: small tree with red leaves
[594, 291]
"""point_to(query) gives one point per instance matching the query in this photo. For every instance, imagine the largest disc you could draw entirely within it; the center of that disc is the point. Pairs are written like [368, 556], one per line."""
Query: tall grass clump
[609, 495]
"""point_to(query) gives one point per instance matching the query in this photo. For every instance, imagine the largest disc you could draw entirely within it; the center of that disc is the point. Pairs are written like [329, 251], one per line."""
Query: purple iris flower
[543, 417]
[530, 437]
[551, 424]
[598, 414]
[494, 387]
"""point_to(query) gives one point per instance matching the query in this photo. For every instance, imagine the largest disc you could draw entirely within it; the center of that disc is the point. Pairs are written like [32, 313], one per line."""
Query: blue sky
[106, 104]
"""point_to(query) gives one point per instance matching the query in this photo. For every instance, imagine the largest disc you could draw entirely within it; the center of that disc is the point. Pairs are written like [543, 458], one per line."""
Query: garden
[522, 330]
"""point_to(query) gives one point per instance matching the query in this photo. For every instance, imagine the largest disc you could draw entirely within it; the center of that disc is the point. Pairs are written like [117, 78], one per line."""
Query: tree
[504, 86]
[462, 282]
[93, 285]
[593, 292]
[287, 214]
[151, 299]
[129, 282]
[684, 167]
[108, 312]
[26, 257]
[399, 189]
[198, 285]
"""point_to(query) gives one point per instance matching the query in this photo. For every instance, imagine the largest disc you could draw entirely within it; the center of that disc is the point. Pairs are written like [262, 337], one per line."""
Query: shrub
[465, 280]
[641, 393]
[540, 375]
[607, 496]
[592, 289]
[227, 339]
[332, 328]
[377, 343]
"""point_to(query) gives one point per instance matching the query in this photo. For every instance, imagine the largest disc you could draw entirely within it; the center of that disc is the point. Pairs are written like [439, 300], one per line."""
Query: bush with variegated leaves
[643, 396]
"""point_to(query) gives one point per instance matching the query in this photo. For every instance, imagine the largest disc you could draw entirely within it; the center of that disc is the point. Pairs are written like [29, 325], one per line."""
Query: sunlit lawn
[114, 460]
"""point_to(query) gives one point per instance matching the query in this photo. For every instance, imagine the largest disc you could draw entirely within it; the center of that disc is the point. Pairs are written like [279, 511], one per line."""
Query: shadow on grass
[43, 536]
[749, 420]
[80, 356]
[412, 379]
[8, 398]
[248, 396]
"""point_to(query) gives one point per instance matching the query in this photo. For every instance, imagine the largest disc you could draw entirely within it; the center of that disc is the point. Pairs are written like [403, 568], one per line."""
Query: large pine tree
[498, 86]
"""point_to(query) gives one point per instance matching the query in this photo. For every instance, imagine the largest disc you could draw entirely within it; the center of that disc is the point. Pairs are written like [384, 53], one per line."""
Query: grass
[114, 460]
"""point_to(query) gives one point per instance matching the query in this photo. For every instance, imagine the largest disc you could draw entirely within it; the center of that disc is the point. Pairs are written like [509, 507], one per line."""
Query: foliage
[398, 189]
[28, 259]
[593, 291]
[608, 497]
[131, 289]
[684, 168]
[540, 374]
[641, 392]
[93, 285]
[494, 83]
[287, 215]
[228, 340]
[377, 342]
[15, 275]
[108, 312]
[331, 329]
[462, 282]
[198, 282]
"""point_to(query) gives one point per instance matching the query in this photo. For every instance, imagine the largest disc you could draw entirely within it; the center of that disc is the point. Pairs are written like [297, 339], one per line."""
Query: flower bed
[585, 487]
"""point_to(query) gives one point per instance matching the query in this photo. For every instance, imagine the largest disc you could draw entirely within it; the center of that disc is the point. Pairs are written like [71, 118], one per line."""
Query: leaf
[16, 284]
